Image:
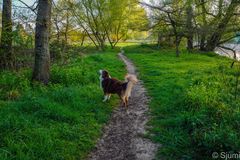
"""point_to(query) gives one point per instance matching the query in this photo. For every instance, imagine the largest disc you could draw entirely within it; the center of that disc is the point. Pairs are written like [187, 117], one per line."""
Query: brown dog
[114, 86]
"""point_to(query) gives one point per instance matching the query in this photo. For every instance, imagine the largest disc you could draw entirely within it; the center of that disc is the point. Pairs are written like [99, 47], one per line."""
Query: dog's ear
[105, 74]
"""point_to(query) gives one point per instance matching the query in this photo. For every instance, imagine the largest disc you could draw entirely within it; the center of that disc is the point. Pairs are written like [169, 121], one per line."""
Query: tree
[203, 29]
[63, 22]
[42, 56]
[106, 20]
[223, 21]
[6, 55]
[216, 22]
[189, 25]
[171, 13]
[87, 14]
[207, 23]
[118, 19]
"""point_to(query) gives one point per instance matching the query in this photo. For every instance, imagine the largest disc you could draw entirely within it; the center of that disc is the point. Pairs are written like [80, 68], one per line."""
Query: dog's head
[104, 74]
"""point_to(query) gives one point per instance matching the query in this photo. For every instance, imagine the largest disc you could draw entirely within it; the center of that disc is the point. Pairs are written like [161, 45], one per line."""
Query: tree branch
[230, 49]
[226, 40]
[29, 7]
[161, 8]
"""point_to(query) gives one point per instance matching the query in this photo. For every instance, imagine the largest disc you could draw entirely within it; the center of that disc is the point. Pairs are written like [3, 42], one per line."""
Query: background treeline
[28, 30]
[203, 24]
[194, 24]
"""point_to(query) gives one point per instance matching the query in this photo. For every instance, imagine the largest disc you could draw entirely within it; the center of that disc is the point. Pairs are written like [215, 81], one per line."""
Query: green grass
[194, 112]
[60, 121]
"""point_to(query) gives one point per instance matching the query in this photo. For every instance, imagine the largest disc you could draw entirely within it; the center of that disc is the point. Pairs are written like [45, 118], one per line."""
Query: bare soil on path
[123, 137]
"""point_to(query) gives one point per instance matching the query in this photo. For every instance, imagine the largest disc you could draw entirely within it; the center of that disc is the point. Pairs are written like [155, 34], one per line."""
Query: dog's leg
[109, 96]
[105, 98]
[122, 101]
[126, 101]
[125, 104]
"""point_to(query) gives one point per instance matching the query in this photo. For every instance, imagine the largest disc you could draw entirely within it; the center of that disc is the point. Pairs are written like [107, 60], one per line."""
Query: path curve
[123, 136]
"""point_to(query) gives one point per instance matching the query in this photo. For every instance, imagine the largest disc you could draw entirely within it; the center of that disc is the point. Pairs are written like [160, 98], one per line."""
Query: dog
[115, 86]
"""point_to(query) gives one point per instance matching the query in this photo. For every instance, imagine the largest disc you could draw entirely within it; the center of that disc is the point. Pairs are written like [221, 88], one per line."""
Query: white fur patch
[105, 98]
[109, 96]
[100, 78]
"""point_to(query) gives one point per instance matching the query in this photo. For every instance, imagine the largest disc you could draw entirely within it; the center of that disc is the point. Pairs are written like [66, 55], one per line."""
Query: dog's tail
[132, 80]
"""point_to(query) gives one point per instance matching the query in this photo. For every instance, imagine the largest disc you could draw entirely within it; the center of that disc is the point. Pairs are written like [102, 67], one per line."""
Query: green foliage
[194, 112]
[11, 83]
[109, 20]
[60, 121]
[193, 105]
[21, 38]
[56, 50]
[61, 52]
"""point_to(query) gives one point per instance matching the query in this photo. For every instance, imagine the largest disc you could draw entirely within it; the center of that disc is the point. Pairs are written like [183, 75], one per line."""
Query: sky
[29, 2]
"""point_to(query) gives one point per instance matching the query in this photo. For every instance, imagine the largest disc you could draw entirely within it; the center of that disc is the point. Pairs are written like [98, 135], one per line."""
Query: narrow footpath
[123, 137]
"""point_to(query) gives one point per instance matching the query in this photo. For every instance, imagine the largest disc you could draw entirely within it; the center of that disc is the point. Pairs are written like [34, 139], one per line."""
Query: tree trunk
[101, 45]
[57, 28]
[6, 55]
[42, 56]
[189, 11]
[217, 34]
[83, 38]
[202, 42]
[190, 43]
[66, 29]
[178, 40]
[204, 28]
[159, 40]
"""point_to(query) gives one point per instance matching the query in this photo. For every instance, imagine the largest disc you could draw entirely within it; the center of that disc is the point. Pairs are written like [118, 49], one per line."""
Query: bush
[12, 85]
[213, 121]
[193, 105]
[62, 120]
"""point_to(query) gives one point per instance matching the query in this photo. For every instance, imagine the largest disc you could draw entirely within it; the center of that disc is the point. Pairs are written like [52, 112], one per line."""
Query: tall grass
[194, 111]
[60, 121]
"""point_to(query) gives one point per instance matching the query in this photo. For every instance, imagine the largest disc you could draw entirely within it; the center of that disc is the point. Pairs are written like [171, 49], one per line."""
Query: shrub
[211, 125]
[12, 85]
[38, 121]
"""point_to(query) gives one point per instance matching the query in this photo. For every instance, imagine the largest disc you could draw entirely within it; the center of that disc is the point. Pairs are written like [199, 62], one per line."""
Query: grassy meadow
[51, 101]
[60, 121]
[193, 105]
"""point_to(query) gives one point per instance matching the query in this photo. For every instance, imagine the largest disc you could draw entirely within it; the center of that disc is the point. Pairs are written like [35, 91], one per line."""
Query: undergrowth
[193, 105]
[60, 121]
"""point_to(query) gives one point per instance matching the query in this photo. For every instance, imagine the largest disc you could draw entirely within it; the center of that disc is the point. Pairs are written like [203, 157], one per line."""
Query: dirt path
[123, 136]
